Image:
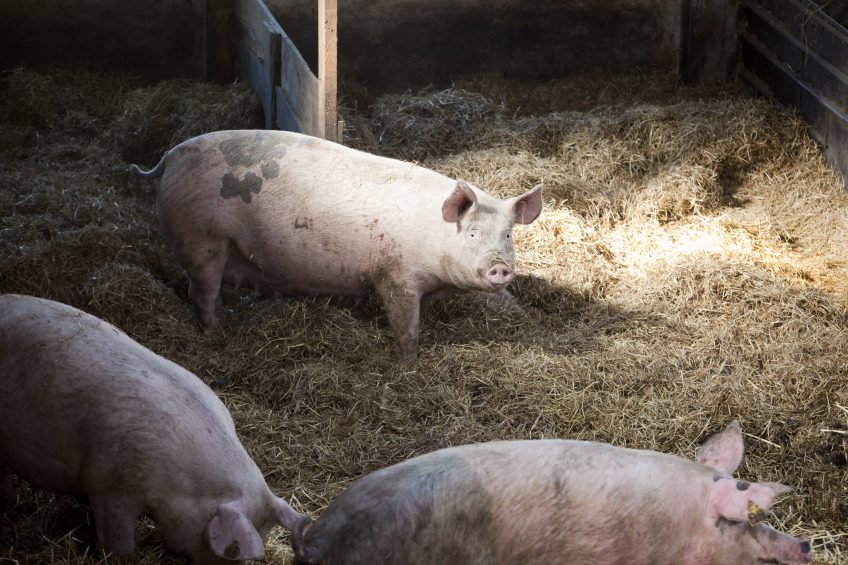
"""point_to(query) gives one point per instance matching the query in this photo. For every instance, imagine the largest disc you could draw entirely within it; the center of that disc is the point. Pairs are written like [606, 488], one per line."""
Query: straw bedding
[689, 268]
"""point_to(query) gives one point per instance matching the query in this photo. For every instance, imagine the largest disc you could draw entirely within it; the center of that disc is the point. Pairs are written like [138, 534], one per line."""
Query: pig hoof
[407, 358]
[210, 326]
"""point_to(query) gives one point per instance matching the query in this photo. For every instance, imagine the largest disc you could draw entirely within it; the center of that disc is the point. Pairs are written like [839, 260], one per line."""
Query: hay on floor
[689, 268]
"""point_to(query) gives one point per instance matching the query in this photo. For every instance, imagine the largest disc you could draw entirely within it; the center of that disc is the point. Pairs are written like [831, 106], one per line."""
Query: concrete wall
[392, 43]
[161, 37]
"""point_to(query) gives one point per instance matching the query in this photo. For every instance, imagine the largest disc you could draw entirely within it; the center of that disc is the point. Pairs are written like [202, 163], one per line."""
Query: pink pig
[86, 410]
[286, 213]
[554, 502]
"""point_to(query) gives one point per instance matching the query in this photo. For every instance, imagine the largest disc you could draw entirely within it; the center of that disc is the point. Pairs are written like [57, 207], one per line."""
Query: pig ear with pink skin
[458, 203]
[527, 207]
[724, 450]
[742, 501]
[232, 536]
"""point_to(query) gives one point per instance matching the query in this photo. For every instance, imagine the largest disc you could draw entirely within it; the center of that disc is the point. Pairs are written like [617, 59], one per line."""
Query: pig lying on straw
[554, 502]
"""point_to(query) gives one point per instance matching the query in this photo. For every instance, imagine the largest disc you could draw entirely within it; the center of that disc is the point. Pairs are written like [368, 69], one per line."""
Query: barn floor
[689, 269]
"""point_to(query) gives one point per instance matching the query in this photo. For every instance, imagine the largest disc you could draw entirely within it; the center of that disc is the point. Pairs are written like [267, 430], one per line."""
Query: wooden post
[219, 37]
[708, 38]
[327, 69]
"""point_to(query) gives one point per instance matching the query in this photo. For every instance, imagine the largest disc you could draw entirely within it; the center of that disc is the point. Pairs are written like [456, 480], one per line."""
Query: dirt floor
[689, 268]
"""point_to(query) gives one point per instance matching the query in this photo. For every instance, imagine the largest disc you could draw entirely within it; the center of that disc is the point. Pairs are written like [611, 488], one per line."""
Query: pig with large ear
[554, 502]
[85, 410]
[286, 213]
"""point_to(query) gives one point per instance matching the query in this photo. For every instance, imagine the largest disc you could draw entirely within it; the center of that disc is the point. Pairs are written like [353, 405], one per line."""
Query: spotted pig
[287, 213]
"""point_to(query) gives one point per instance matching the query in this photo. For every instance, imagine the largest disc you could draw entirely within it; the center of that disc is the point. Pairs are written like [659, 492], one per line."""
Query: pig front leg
[115, 521]
[402, 307]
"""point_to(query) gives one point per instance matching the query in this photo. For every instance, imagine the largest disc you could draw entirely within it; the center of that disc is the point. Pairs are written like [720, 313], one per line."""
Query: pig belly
[48, 461]
[45, 472]
[281, 277]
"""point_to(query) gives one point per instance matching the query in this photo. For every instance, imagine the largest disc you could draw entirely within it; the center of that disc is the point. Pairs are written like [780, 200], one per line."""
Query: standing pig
[286, 213]
[554, 502]
[86, 410]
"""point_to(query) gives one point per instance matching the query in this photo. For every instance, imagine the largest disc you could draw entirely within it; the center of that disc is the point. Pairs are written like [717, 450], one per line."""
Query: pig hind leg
[115, 520]
[206, 272]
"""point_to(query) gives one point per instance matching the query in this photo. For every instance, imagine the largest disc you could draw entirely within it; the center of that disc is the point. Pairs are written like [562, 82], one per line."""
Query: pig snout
[498, 275]
[806, 552]
[795, 551]
[777, 547]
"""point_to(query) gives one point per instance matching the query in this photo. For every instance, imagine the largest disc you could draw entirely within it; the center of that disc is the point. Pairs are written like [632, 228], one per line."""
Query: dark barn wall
[163, 38]
[402, 43]
[797, 53]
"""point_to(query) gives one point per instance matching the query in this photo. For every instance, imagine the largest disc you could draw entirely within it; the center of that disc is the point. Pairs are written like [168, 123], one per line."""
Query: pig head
[285, 213]
[484, 236]
[735, 508]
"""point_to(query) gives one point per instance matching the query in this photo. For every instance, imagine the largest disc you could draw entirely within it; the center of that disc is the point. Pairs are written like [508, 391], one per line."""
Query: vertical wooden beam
[220, 66]
[327, 70]
[708, 40]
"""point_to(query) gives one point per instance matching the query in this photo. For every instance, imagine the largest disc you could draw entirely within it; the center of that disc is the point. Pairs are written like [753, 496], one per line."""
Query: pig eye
[473, 232]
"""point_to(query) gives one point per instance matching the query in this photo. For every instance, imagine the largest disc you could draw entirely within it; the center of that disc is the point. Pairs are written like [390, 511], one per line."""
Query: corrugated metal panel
[796, 53]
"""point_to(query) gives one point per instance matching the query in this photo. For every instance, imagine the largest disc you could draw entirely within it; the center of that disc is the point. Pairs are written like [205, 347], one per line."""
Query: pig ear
[528, 206]
[457, 204]
[724, 450]
[743, 501]
[232, 536]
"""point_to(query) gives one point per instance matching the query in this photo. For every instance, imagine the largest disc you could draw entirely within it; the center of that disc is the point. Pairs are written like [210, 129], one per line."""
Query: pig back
[81, 402]
[589, 501]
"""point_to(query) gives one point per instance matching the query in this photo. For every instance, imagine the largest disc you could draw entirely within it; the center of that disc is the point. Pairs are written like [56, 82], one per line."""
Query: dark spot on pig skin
[302, 223]
[805, 547]
[246, 187]
[270, 170]
[742, 485]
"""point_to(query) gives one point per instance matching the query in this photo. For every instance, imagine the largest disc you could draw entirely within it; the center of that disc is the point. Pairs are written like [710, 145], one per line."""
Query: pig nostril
[805, 547]
[499, 274]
